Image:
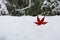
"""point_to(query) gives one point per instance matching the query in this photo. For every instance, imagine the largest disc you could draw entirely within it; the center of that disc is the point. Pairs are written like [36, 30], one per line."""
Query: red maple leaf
[39, 22]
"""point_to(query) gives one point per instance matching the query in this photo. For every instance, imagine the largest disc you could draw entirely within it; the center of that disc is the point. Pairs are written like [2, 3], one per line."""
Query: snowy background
[3, 7]
[24, 28]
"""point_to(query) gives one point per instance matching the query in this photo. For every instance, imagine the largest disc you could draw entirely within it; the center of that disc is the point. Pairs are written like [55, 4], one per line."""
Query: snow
[24, 28]
[3, 7]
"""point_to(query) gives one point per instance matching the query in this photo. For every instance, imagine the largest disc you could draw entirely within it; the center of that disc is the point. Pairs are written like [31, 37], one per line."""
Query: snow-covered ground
[24, 28]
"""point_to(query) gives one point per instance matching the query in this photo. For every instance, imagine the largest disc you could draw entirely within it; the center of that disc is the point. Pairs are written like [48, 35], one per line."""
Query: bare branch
[23, 9]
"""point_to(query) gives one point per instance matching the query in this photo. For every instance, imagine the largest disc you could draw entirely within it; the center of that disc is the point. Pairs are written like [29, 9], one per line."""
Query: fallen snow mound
[24, 28]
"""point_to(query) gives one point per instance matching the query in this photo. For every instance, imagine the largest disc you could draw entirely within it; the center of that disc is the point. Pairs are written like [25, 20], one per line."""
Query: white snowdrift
[23, 28]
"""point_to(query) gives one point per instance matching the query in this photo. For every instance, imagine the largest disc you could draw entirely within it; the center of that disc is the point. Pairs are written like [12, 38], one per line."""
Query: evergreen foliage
[42, 7]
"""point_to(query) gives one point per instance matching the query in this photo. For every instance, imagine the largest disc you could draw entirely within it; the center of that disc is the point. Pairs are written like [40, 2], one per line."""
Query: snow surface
[24, 28]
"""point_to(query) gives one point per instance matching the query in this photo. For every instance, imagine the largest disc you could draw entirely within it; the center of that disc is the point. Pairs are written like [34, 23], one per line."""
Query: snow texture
[24, 28]
[55, 3]
[3, 7]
